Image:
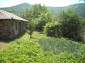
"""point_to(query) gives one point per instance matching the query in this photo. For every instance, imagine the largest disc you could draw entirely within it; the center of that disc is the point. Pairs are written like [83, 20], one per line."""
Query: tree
[31, 25]
[43, 19]
[39, 14]
[71, 25]
[53, 29]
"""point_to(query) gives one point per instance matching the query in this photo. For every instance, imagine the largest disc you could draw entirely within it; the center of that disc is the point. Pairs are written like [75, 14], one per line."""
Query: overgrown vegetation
[57, 45]
[39, 15]
[68, 26]
[54, 46]
[53, 29]
[71, 25]
[42, 49]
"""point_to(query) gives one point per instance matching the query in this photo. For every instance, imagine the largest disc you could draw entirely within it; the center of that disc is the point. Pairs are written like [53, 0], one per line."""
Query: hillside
[79, 8]
[55, 10]
[18, 8]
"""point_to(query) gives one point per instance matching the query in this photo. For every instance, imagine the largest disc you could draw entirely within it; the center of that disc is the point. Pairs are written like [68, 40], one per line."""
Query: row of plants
[26, 50]
[59, 45]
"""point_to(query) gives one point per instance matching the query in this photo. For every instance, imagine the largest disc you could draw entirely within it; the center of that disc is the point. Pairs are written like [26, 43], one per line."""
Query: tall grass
[57, 45]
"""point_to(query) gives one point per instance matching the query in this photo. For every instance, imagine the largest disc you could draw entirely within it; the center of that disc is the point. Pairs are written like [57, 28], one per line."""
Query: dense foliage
[68, 26]
[29, 51]
[71, 25]
[39, 14]
[53, 29]
[43, 49]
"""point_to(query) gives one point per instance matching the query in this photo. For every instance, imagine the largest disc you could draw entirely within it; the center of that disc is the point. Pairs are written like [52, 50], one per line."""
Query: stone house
[11, 25]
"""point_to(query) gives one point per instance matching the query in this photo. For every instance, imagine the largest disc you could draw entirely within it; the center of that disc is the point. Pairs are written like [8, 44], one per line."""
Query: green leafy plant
[71, 25]
[39, 50]
[68, 26]
[53, 29]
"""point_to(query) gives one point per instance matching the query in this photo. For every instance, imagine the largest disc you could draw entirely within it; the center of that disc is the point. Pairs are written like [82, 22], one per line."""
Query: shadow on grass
[7, 40]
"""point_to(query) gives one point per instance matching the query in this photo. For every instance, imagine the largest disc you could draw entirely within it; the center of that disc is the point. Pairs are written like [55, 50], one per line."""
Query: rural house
[11, 25]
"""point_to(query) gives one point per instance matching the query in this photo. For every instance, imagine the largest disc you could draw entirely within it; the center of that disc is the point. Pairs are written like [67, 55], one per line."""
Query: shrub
[53, 29]
[71, 25]
[43, 19]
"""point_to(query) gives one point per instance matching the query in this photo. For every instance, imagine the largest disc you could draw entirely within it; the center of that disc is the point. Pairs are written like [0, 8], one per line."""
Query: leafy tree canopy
[39, 15]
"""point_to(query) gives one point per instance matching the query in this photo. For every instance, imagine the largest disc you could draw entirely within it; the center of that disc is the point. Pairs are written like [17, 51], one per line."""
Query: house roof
[8, 15]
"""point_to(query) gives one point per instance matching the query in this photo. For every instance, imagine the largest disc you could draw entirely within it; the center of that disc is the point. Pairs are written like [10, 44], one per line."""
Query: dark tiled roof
[8, 15]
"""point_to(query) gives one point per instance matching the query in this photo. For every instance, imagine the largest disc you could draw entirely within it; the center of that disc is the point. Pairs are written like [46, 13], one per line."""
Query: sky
[52, 3]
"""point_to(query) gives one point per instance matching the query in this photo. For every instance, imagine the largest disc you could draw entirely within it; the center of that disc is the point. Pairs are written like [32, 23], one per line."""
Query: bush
[43, 19]
[53, 29]
[69, 26]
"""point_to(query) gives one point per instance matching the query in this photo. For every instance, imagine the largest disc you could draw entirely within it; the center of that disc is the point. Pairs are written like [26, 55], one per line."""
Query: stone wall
[11, 28]
[5, 28]
[18, 27]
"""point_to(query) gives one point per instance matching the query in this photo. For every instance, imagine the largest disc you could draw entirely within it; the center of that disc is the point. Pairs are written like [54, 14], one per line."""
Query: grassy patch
[57, 45]
[2, 45]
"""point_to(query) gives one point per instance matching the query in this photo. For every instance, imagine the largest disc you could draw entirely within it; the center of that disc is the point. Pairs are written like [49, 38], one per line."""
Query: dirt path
[2, 45]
